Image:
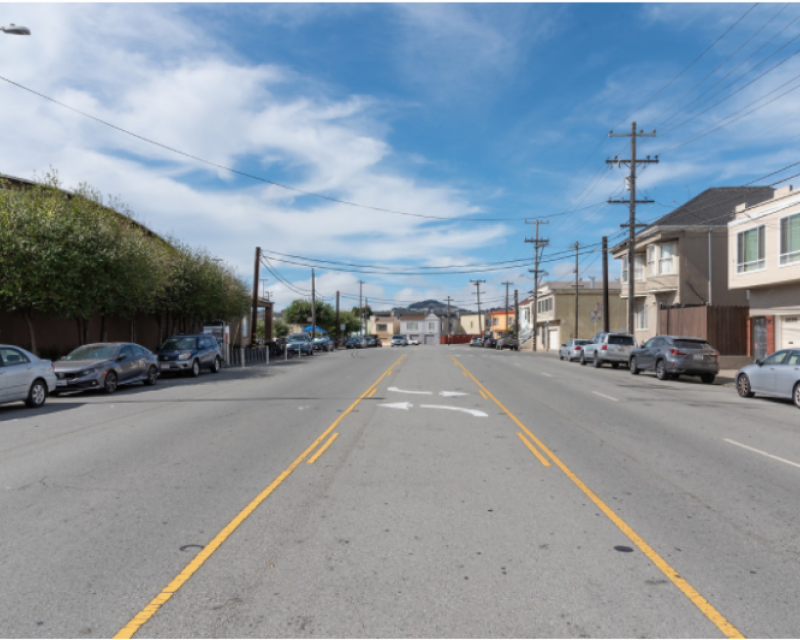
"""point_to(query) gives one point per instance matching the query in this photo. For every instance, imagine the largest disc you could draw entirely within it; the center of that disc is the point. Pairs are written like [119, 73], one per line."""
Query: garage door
[790, 332]
[553, 339]
[430, 339]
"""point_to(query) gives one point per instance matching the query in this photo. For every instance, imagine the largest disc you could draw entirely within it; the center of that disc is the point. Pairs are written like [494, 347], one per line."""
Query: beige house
[682, 259]
[384, 324]
[473, 323]
[764, 264]
[555, 316]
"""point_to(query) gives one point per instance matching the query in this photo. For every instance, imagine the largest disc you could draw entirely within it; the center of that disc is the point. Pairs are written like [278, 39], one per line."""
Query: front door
[758, 338]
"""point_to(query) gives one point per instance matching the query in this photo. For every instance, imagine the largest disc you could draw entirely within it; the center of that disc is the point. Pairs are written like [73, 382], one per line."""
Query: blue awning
[318, 330]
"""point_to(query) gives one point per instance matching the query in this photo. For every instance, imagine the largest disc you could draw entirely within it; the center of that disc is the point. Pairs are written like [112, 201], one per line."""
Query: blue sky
[462, 111]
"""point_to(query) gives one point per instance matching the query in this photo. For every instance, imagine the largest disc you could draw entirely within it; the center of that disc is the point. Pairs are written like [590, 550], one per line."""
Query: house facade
[764, 265]
[473, 323]
[384, 324]
[496, 322]
[682, 258]
[424, 328]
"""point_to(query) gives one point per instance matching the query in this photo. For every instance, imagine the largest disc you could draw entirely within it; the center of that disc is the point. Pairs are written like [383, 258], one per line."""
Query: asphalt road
[389, 493]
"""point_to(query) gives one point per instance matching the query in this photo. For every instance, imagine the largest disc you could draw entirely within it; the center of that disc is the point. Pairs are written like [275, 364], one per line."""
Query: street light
[16, 30]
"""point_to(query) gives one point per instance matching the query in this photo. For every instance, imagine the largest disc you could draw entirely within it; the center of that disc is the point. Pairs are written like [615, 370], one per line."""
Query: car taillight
[577, 348]
[604, 347]
[714, 355]
[675, 352]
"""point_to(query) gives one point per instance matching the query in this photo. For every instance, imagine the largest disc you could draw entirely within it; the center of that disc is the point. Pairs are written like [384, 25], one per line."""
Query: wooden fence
[725, 328]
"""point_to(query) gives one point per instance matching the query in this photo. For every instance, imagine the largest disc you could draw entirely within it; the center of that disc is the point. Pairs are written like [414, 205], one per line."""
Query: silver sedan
[24, 377]
[571, 350]
[776, 375]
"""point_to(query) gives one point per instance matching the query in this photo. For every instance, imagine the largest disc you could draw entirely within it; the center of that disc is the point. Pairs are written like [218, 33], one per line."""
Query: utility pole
[632, 201]
[538, 248]
[360, 308]
[338, 328]
[364, 314]
[477, 284]
[254, 318]
[508, 284]
[449, 324]
[606, 321]
[516, 313]
[576, 246]
[313, 307]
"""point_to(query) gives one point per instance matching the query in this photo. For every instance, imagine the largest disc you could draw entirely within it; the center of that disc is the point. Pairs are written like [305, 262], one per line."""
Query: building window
[651, 260]
[381, 327]
[431, 326]
[638, 267]
[412, 326]
[790, 239]
[494, 322]
[750, 254]
[624, 262]
[667, 264]
[640, 316]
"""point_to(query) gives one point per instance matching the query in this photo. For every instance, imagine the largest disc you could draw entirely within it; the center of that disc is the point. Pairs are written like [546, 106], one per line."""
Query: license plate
[699, 357]
[165, 366]
[61, 383]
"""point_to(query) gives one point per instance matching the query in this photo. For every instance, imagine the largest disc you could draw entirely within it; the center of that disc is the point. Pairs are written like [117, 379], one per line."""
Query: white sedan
[24, 377]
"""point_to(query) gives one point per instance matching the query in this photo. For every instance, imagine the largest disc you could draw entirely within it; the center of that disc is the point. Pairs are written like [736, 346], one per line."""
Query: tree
[299, 311]
[280, 329]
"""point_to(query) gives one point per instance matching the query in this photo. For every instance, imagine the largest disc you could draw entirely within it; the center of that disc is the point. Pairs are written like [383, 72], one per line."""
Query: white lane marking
[451, 394]
[602, 395]
[397, 405]
[424, 393]
[763, 453]
[474, 412]
[546, 374]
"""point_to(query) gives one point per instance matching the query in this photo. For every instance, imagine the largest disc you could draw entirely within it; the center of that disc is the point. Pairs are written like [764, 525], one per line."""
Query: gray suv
[614, 348]
[671, 356]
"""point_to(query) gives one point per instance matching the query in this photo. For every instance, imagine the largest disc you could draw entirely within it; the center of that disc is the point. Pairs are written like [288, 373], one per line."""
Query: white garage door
[790, 332]
[553, 339]
[430, 339]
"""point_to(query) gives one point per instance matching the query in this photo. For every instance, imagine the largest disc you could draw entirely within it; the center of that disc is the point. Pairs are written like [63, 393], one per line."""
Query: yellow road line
[372, 393]
[156, 603]
[483, 394]
[688, 590]
[322, 449]
[534, 451]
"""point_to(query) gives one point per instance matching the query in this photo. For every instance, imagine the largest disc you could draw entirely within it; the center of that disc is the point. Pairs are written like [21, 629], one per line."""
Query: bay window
[638, 267]
[651, 260]
[790, 239]
[667, 264]
[750, 252]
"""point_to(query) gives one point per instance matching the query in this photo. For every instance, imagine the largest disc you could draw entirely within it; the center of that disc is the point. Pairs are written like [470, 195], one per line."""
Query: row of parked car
[670, 357]
[488, 342]
[102, 366]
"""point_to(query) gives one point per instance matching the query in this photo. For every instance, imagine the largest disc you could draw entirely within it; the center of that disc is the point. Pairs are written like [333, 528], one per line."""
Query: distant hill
[428, 304]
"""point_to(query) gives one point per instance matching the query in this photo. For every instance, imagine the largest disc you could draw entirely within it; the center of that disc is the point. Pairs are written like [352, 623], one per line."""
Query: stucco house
[424, 328]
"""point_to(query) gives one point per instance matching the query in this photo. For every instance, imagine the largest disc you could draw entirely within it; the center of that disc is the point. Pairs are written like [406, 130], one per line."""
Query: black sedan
[105, 366]
[489, 343]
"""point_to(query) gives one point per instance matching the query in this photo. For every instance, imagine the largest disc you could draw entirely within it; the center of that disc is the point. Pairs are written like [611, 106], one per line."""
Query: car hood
[71, 366]
[748, 368]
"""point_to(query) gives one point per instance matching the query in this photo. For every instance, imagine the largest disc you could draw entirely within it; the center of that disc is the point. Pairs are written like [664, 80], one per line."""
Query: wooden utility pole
[254, 317]
[577, 247]
[632, 201]
[313, 307]
[361, 308]
[606, 321]
[516, 313]
[477, 284]
[449, 325]
[338, 328]
[508, 284]
[538, 247]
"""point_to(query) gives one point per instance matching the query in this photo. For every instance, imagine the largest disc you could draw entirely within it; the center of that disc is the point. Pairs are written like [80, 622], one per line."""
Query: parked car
[776, 375]
[356, 342]
[413, 340]
[371, 341]
[399, 341]
[614, 348]
[571, 350]
[323, 343]
[378, 342]
[672, 356]
[507, 342]
[24, 377]
[489, 342]
[301, 343]
[476, 342]
[190, 354]
[106, 366]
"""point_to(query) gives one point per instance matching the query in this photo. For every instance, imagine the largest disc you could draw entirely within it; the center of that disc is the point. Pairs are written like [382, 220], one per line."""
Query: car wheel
[37, 394]
[583, 360]
[632, 366]
[597, 362]
[110, 383]
[661, 370]
[195, 370]
[560, 357]
[615, 365]
[217, 365]
[745, 391]
[796, 395]
[708, 378]
[152, 376]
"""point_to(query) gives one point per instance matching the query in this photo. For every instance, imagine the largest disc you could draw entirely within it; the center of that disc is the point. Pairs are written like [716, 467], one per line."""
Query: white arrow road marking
[424, 393]
[397, 405]
[451, 394]
[474, 412]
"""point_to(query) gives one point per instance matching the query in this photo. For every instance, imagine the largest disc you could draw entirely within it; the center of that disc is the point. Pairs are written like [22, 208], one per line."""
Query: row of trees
[78, 255]
[299, 311]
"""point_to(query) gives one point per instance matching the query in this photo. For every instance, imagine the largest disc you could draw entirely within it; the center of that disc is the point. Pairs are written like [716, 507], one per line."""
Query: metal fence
[250, 355]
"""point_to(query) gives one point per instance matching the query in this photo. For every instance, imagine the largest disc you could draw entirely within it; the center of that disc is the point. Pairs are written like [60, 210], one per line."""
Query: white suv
[399, 341]
[608, 347]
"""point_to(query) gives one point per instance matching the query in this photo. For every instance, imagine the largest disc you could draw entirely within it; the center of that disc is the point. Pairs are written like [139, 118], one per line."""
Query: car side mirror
[759, 362]
[120, 358]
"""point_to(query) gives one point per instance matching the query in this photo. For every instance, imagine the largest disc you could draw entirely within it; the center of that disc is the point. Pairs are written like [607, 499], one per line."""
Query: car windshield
[93, 352]
[297, 337]
[622, 340]
[176, 344]
[692, 344]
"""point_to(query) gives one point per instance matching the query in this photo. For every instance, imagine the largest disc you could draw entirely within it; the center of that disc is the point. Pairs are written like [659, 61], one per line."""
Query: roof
[713, 207]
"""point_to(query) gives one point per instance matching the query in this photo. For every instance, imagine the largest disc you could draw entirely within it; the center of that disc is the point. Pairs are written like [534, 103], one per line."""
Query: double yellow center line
[690, 592]
[156, 603]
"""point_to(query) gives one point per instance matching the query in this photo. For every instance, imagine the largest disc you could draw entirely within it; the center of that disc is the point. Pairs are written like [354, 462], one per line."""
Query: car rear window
[580, 342]
[692, 344]
[622, 340]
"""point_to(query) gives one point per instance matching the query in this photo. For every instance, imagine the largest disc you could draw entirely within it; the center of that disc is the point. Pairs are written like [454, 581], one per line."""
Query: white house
[425, 329]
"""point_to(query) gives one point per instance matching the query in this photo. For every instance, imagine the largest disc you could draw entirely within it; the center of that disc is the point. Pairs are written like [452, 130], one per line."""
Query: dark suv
[190, 354]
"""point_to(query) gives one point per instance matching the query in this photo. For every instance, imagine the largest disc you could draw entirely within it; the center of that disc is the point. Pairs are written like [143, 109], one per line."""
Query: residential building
[555, 315]
[424, 328]
[473, 323]
[764, 264]
[384, 324]
[682, 258]
[496, 322]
